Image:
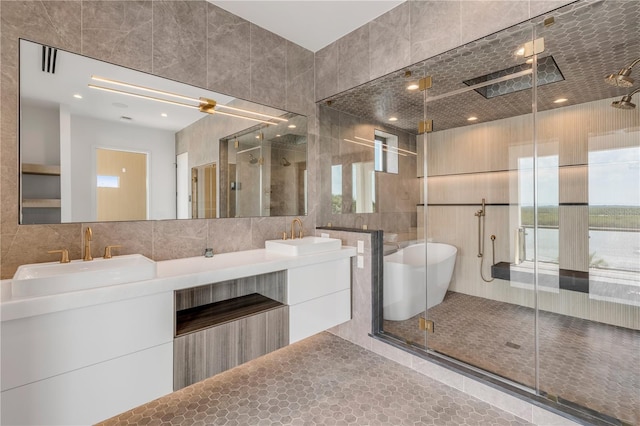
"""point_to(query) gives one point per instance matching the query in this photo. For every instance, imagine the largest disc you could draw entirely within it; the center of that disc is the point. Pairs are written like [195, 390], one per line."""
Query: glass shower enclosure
[529, 214]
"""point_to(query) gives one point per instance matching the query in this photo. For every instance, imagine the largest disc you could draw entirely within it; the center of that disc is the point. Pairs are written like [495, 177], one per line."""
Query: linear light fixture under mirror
[72, 107]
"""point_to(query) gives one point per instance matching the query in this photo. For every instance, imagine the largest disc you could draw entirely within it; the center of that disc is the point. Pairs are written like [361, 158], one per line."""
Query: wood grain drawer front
[205, 353]
[311, 282]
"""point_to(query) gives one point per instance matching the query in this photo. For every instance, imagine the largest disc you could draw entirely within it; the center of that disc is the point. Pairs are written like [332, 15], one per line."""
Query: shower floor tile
[588, 363]
[323, 380]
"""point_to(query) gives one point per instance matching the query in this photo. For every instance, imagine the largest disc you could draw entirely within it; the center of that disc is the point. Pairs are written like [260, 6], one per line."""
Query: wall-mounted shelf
[41, 203]
[40, 169]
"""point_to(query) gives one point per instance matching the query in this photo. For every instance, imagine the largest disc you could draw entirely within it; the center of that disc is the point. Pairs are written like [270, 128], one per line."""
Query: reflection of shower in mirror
[284, 162]
[252, 159]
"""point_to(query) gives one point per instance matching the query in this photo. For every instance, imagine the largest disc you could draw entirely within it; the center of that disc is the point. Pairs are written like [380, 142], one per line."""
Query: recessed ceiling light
[393, 118]
[164, 114]
[520, 52]
[472, 118]
[529, 61]
[413, 86]
[291, 126]
[257, 136]
[277, 136]
[77, 96]
[560, 100]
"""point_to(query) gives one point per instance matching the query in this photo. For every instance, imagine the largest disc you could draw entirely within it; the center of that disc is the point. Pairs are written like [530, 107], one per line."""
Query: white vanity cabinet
[80, 357]
[319, 297]
[81, 366]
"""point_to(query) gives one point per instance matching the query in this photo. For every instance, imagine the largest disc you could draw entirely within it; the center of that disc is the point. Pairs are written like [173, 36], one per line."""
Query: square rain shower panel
[548, 72]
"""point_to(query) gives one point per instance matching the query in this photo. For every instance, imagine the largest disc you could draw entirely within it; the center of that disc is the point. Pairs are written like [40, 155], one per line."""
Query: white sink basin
[41, 279]
[303, 246]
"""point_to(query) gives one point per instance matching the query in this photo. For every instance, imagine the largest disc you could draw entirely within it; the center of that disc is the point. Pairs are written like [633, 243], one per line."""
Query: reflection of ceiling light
[277, 136]
[291, 126]
[208, 108]
[529, 61]
[204, 104]
[393, 118]
[520, 52]
[77, 96]
[164, 114]
[560, 100]
[249, 149]
[390, 147]
[257, 136]
[413, 86]
[472, 118]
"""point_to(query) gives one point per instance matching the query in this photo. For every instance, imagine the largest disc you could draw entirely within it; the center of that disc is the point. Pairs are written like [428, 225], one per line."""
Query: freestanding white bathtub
[409, 286]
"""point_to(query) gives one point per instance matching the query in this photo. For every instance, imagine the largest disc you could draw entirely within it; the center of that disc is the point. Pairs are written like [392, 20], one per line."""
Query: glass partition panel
[589, 338]
[479, 192]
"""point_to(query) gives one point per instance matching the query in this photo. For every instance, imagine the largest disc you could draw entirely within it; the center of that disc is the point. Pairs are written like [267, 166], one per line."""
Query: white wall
[87, 134]
[40, 142]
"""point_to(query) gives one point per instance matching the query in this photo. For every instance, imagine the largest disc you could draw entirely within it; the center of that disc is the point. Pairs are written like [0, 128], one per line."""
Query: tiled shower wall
[481, 161]
[190, 41]
[397, 194]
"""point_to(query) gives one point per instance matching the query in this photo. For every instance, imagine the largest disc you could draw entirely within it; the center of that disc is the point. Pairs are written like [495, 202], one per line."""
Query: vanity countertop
[172, 275]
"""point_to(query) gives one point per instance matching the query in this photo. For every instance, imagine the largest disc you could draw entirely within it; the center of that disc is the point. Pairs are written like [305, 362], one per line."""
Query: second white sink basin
[303, 246]
[42, 279]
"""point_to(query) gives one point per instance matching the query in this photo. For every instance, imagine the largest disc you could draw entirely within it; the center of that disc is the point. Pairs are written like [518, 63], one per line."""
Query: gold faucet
[88, 234]
[293, 223]
[107, 251]
[65, 255]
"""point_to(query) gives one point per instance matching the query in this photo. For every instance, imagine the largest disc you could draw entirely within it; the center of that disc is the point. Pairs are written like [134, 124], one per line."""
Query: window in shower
[336, 189]
[614, 203]
[548, 184]
[385, 152]
[363, 187]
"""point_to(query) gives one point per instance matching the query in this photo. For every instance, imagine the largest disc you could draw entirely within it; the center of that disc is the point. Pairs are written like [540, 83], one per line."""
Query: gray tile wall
[414, 31]
[398, 194]
[190, 41]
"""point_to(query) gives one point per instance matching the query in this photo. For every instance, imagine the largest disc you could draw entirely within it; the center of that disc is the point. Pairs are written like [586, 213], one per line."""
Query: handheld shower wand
[480, 214]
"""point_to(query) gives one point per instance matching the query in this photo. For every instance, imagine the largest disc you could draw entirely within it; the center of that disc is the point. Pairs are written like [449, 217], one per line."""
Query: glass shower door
[589, 338]
[479, 207]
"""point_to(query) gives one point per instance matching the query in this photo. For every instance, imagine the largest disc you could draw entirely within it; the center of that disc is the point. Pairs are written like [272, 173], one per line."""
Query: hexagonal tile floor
[585, 362]
[323, 380]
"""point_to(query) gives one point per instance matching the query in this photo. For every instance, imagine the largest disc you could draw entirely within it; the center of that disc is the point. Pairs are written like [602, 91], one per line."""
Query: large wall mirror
[100, 142]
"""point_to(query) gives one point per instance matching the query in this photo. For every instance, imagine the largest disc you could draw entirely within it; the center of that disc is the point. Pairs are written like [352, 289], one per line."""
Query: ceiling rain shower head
[252, 159]
[622, 78]
[625, 102]
[284, 162]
